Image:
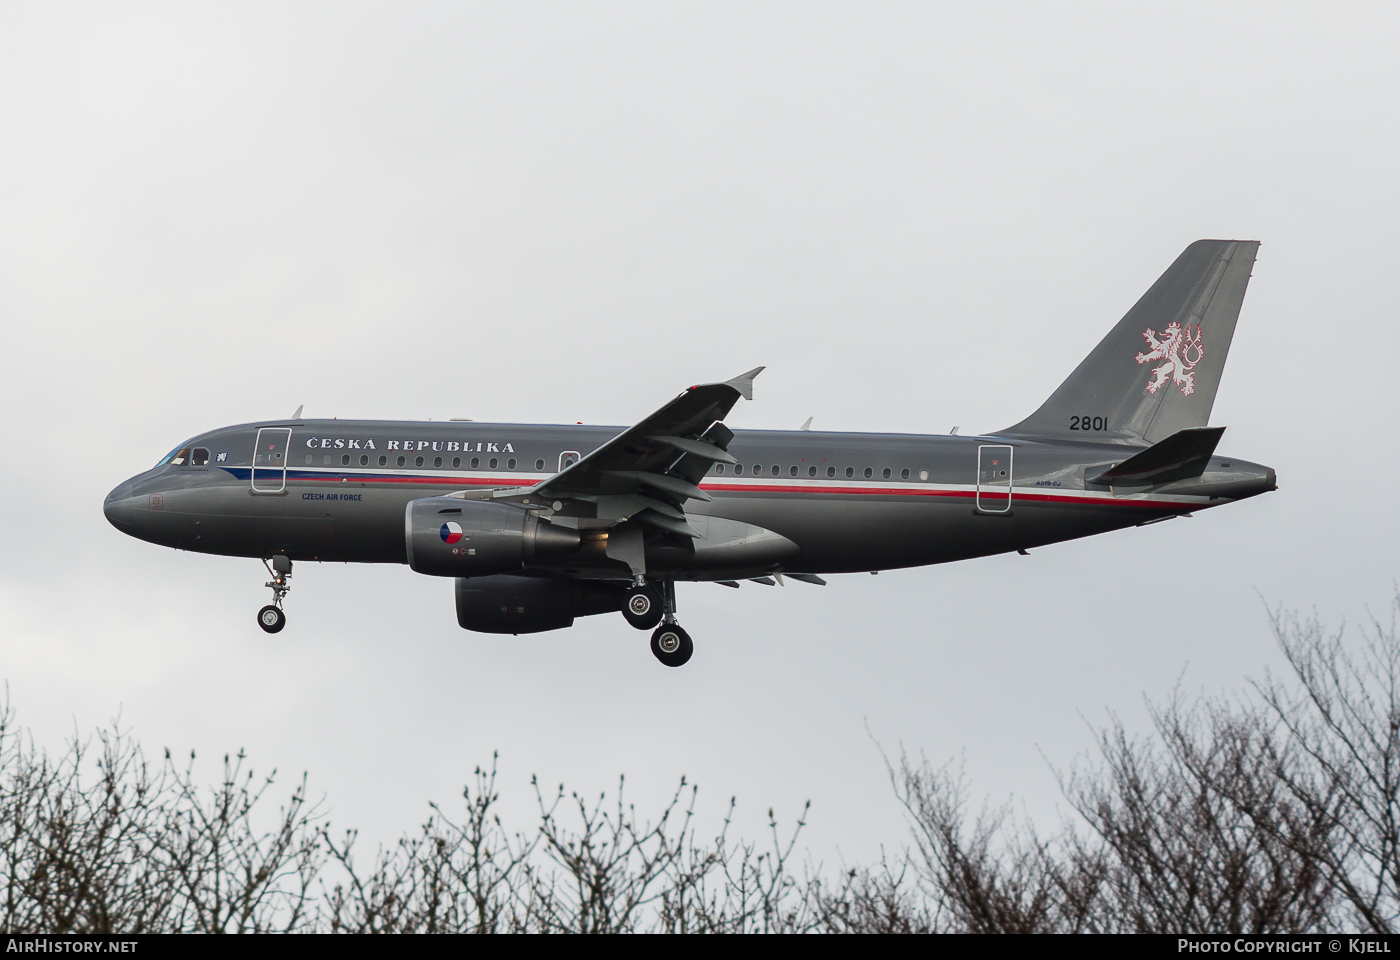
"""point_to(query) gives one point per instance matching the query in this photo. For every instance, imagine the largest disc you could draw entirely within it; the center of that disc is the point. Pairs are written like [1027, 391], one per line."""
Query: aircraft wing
[650, 470]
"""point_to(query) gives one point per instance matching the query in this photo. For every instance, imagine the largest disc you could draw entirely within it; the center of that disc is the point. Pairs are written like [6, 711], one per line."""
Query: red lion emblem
[1181, 349]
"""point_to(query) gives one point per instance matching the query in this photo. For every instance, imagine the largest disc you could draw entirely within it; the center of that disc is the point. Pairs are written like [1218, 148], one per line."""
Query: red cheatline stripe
[788, 489]
[967, 494]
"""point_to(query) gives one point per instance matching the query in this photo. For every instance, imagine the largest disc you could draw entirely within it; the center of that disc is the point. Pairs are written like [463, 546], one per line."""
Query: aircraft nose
[117, 508]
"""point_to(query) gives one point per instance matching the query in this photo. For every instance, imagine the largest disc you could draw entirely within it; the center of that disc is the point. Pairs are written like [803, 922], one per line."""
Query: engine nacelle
[447, 537]
[514, 604]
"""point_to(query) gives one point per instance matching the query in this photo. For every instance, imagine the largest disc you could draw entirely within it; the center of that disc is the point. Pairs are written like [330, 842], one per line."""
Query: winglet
[744, 382]
[297, 415]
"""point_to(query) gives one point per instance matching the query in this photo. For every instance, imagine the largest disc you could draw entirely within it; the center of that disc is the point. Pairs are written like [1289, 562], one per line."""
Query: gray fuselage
[336, 490]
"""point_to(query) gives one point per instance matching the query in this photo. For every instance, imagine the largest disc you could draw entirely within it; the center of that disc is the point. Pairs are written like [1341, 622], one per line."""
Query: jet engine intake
[515, 604]
[447, 537]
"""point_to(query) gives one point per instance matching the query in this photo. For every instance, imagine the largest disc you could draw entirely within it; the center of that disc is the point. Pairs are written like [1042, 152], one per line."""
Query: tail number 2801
[1088, 423]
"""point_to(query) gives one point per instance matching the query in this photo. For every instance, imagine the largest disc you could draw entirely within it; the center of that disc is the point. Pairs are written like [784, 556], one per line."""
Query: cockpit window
[187, 456]
[180, 456]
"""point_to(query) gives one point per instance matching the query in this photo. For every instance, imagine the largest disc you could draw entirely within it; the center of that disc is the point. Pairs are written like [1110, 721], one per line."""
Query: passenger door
[993, 478]
[270, 459]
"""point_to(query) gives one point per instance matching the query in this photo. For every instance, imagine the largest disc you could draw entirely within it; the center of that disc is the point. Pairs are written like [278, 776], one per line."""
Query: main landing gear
[271, 618]
[669, 644]
[643, 605]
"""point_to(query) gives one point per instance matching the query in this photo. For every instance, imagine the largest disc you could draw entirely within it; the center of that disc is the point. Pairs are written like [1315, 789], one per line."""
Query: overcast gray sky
[915, 215]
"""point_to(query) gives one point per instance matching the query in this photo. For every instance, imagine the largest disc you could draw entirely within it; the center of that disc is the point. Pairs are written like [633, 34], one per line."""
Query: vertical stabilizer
[1157, 371]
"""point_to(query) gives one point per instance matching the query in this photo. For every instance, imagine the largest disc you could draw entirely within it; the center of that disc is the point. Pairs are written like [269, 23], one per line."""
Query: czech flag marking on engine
[451, 532]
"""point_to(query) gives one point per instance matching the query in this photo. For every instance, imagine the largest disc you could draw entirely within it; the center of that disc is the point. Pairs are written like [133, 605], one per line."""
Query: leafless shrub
[885, 899]
[449, 878]
[1175, 847]
[142, 850]
[1340, 763]
[979, 875]
[1274, 812]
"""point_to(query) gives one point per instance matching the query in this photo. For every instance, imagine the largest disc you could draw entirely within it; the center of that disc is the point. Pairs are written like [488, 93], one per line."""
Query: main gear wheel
[643, 606]
[671, 645]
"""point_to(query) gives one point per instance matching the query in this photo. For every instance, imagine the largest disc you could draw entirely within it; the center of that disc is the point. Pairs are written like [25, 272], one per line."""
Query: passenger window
[776, 470]
[539, 464]
[383, 459]
[182, 458]
[364, 459]
[326, 460]
[494, 461]
[886, 474]
[200, 457]
[812, 471]
[418, 462]
[510, 464]
[757, 469]
[923, 474]
[850, 472]
[792, 471]
[437, 461]
[308, 458]
[345, 460]
[869, 473]
[401, 460]
[738, 469]
[456, 462]
[719, 469]
[476, 462]
[831, 471]
[904, 474]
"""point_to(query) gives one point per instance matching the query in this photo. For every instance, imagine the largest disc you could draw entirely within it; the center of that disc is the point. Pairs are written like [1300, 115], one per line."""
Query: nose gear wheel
[271, 617]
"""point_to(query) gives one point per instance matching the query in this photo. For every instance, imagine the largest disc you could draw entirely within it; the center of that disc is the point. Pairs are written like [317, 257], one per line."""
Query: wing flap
[699, 448]
[671, 525]
[675, 486]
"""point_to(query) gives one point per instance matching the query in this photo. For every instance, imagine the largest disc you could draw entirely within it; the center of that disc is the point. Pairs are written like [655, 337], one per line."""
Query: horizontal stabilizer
[1182, 456]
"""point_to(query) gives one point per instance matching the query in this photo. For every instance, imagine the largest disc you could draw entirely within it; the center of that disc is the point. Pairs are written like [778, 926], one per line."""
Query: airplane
[541, 524]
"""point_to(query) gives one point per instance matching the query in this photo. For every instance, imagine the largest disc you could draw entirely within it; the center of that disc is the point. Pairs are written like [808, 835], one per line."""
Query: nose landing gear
[670, 644]
[271, 618]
